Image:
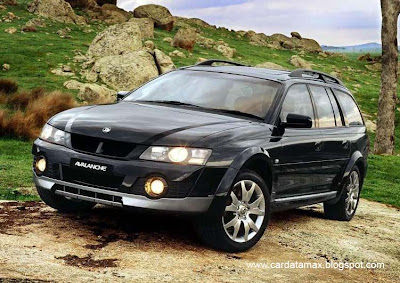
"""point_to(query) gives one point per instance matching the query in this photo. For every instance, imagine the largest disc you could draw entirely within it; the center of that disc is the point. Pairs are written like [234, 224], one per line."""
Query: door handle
[318, 146]
[345, 144]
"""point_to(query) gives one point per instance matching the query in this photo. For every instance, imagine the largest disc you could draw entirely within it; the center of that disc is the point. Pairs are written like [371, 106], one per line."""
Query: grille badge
[106, 130]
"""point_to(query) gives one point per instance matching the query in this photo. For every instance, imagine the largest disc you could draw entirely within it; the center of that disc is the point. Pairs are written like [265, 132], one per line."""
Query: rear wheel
[243, 219]
[62, 204]
[346, 207]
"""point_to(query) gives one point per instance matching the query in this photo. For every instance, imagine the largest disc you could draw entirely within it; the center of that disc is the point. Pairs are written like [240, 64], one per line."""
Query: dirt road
[110, 245]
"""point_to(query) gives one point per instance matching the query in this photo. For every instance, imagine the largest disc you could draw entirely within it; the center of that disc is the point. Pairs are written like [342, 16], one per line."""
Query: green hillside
[32, 56]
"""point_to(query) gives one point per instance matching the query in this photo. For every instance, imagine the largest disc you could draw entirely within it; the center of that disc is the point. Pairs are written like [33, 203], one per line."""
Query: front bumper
[191, 189]
[188, 204]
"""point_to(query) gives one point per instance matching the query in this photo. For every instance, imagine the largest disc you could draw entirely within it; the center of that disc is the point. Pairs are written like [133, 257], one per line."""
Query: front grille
[94, 179]
[101, 146]
[89, 195]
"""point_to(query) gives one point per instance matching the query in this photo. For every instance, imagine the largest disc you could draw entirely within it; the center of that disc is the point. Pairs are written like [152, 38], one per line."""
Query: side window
[350, 108]
[336, 111]
[297, 101]
[323, 104]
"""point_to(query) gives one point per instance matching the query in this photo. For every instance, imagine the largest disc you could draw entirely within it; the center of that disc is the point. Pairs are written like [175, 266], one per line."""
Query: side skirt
[280, 204]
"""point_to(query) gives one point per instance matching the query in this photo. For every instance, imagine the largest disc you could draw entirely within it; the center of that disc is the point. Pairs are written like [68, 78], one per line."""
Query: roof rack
[315, 74]
[212, 61]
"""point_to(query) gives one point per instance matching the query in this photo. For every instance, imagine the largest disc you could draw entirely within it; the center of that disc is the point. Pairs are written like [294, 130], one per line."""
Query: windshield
[216, 91]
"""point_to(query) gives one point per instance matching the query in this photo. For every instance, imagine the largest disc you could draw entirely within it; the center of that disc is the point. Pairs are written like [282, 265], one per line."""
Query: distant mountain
[371, 47]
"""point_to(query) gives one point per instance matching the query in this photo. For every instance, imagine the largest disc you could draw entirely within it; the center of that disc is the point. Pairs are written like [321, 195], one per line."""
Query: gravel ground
[37, 244]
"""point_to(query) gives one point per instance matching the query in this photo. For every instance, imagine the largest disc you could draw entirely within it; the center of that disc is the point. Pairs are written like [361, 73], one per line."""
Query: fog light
[41, 165]
[155, 186]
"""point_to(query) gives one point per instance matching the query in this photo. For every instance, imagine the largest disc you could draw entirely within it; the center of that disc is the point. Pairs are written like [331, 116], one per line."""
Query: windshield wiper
[170, 102]
[239, 113]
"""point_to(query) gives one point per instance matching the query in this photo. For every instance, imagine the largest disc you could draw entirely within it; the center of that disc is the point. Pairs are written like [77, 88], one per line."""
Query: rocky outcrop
[190, 22]
[146, 26]
[163, 62]
[270, 65]
[57, 10]
[116, 40]
[185, 38]
[124, 72]
[295, 34]
[299, 62]
[160, 15]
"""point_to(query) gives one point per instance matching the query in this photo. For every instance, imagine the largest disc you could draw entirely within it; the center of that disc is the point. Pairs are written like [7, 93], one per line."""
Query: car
[221, 142]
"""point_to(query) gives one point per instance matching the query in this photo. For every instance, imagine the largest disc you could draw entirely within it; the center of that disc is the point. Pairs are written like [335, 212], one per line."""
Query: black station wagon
[228, 144]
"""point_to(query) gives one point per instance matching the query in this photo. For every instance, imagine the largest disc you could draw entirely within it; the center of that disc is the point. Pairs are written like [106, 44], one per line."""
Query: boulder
[189, 22]
[102, 2]
[2, 8]
[149, 44]
[295, 34]
[73, 84]
[127, 71]
[63, 72]
[57, 10]
[257, 39]
[287, 44]
[279, 37]
[36, 22]
[205, 42]
[146, 26]
[177, 53]
[163, 62]
[185, 38]
[111, 14]
[116, 40]
[9, 17]
[375, 67]
[96, 94]
[307, 44]
[84, 4]
[299, 62]
[225, 50]
[160, 15]
[64, 32]
[168, 39]
[26, 28]
[9, 2]
[10, 30]
[6, 67]
[270, 65]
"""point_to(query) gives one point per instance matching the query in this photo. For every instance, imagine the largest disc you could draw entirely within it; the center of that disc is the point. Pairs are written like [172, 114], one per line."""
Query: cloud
[338, 22]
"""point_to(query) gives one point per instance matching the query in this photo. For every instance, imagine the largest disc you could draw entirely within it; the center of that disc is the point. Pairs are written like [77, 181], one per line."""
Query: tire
[63, 204]
[217, 228]
[343, 210]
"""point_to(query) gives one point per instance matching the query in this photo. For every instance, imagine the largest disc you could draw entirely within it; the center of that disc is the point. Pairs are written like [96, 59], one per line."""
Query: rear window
[326, 117]
[350, 108]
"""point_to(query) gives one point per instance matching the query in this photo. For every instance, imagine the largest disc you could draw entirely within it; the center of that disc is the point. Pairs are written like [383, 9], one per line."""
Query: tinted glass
[297, 101]
[326, 117]
[350, 108]
[335, 106]
[211, 90]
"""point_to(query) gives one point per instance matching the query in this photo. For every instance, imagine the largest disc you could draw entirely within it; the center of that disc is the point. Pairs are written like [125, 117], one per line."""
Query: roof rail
[212, 61]
[319, 75]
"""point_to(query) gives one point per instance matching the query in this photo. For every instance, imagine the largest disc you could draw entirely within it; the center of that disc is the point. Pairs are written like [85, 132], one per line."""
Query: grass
[33, 55]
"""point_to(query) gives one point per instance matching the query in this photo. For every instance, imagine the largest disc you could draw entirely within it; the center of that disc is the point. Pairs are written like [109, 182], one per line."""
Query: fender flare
[234, 169]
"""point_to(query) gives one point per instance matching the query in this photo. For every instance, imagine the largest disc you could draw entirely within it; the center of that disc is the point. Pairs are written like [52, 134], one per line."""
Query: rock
[160, 15]
[299, 62]
[257, 39]
[295, 34]
[26, 28]
[226, 50]
[127, 71]
[80, 58]
[57, 10]
[146, 27]
[66, 68]
[163, 62]
[287, 44]
[201, 59]
[6, 67]
[109, 13]
[274, 45]
[205, 42]
[9, 2]
[61, 72]
[11, 30]
[9, 17]
[177, 53]
[371, 126]
[36, 22]
[375, 67]
[185, 38]
[279, 37]
[64, 33]
[84, 4]
[307, 44]
[336, 74]
[73, 84]
[149, 44]
[102, 2]
[2, 8]
[116, 40]
[189, 22]
[168, 39]
[270, 65]
[365, 57]
[96, 94]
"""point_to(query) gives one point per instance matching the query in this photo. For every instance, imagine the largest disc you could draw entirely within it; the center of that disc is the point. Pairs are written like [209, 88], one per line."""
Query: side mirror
[121, 95]
[298, 121]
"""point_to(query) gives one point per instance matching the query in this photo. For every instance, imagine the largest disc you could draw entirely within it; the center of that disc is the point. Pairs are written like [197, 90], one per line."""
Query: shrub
[21, 100]
[8, 86]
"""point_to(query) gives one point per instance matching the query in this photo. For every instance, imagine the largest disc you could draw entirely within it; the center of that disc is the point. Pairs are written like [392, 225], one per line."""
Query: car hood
[144, 123]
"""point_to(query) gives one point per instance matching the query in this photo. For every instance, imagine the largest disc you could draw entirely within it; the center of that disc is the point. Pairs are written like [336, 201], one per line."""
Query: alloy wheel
[244, 212]
[353, 190]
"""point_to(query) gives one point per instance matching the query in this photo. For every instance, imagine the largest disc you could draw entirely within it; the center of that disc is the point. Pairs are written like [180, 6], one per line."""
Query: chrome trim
[187, 204]
[304, 197]
[86, 198]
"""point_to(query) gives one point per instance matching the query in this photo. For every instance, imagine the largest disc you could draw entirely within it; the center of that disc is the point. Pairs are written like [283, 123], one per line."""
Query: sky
[330, 22]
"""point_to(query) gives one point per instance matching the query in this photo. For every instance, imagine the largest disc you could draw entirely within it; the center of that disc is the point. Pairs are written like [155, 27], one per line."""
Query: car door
[299, 170]
[336, 151]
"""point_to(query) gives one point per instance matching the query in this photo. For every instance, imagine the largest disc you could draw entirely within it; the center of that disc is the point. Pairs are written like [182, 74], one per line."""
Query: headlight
[54, 135]
[185, 155]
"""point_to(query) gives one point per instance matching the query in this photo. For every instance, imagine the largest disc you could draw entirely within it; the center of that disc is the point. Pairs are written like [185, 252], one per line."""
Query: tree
[384, 141]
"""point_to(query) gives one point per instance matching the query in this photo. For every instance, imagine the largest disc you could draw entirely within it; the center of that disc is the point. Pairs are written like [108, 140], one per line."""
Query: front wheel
[243, 219]
[346, 207]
